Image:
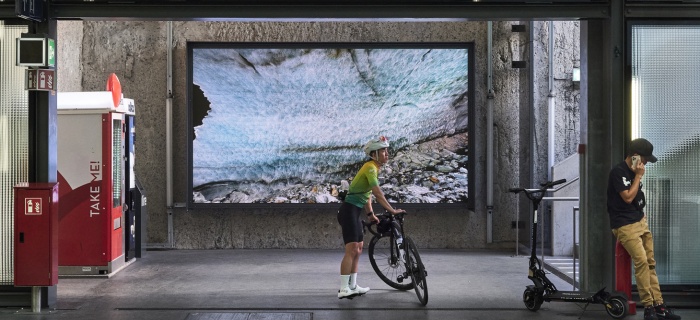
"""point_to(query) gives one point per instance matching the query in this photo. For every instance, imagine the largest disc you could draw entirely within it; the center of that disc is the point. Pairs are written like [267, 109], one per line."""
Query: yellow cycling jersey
[361, 186]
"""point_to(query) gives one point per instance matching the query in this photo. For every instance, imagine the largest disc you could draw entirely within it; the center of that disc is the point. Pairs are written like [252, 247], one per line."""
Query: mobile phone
[635, 161]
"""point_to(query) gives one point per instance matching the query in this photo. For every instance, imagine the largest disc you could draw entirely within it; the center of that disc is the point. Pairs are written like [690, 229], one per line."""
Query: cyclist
[363, 186]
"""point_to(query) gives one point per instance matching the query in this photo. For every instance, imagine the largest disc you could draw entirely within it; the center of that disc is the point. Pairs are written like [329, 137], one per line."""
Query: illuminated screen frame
[199, 109]
[27, 49]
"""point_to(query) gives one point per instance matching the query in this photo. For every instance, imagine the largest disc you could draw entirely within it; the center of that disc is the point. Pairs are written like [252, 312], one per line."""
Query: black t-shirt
[622, 213]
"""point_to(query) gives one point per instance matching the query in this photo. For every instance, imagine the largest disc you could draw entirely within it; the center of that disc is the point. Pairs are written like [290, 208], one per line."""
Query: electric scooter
[543, 289]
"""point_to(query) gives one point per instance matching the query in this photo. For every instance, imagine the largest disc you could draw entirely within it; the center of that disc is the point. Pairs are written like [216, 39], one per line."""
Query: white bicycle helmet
[376, 144]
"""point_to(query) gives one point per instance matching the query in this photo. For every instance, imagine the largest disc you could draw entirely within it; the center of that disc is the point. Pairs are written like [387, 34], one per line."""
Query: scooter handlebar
[545, 186]
[553, 183]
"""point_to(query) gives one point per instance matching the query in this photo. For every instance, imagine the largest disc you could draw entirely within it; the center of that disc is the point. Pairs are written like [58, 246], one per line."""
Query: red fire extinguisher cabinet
[36, 234]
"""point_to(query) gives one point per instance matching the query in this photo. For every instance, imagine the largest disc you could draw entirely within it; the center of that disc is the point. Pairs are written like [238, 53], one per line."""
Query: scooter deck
[571, 296]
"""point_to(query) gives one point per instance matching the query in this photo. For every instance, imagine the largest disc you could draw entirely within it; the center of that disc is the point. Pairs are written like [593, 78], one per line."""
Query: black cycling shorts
[349, 217]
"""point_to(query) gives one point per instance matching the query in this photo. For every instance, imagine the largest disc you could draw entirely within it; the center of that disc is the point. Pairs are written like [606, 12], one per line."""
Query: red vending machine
[91, 179]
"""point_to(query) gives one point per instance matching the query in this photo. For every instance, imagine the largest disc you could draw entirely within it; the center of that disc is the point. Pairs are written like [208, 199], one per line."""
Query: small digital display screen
[31, 51]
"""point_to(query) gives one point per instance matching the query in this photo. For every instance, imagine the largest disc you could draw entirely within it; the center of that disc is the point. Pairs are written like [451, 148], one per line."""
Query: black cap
[643, 148]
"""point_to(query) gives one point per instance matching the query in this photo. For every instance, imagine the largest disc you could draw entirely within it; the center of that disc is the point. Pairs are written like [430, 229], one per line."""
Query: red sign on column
[41, 80]
[32, 206]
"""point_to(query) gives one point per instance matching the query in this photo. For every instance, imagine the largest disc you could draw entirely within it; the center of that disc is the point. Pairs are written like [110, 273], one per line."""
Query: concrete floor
[302, 284]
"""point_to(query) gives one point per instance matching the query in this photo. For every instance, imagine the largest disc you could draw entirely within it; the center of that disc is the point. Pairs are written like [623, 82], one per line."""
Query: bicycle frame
[402, 262]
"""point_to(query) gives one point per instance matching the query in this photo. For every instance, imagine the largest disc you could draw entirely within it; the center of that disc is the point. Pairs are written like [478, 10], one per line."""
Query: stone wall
[137, 53]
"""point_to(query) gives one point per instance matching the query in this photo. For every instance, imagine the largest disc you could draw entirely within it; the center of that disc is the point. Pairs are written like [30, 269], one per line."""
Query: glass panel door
[666, 111]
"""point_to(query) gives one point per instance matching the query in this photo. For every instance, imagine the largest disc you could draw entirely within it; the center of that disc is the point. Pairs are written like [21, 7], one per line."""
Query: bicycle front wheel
[384, 257]
[417, 271]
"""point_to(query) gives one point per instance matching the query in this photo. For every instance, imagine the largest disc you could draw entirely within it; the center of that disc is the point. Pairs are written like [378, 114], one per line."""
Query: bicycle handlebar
[369, 225]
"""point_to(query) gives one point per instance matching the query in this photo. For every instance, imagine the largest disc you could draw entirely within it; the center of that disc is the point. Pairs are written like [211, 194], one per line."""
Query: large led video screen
[285, 123]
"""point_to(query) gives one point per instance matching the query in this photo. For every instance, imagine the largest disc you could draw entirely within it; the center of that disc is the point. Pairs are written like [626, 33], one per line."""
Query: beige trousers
[638, 241]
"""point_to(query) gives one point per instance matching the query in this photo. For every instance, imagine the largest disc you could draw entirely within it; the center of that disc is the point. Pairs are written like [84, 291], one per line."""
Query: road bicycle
[394, 256]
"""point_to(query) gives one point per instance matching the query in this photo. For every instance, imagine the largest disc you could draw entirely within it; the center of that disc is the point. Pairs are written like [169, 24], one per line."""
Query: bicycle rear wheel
[384, 257]
[417, 271]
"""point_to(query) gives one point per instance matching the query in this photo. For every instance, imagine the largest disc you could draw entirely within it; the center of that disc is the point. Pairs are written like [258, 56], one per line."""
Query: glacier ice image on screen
[287, 124]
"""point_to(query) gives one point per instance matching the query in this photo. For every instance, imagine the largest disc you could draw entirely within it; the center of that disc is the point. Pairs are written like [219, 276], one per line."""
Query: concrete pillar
[595, 163]
[602, 134]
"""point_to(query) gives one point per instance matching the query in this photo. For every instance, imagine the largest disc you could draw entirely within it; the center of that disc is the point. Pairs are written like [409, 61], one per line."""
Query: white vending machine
[92, 171]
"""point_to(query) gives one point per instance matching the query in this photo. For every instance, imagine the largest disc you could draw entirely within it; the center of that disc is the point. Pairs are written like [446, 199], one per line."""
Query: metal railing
[573, 240]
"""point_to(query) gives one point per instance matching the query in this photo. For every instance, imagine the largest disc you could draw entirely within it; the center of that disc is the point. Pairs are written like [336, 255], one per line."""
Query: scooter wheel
[532, 300]
[617, 307]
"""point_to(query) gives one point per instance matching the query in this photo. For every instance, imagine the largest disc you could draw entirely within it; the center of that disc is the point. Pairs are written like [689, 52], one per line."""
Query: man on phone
[626, 203]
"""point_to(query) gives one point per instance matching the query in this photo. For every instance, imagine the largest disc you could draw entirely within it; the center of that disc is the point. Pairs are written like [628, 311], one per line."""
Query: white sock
[344, 281]
[353, 280]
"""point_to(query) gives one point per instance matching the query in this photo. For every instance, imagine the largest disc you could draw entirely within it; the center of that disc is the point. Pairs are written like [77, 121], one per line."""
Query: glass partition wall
[666, 110]
[14, 152]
